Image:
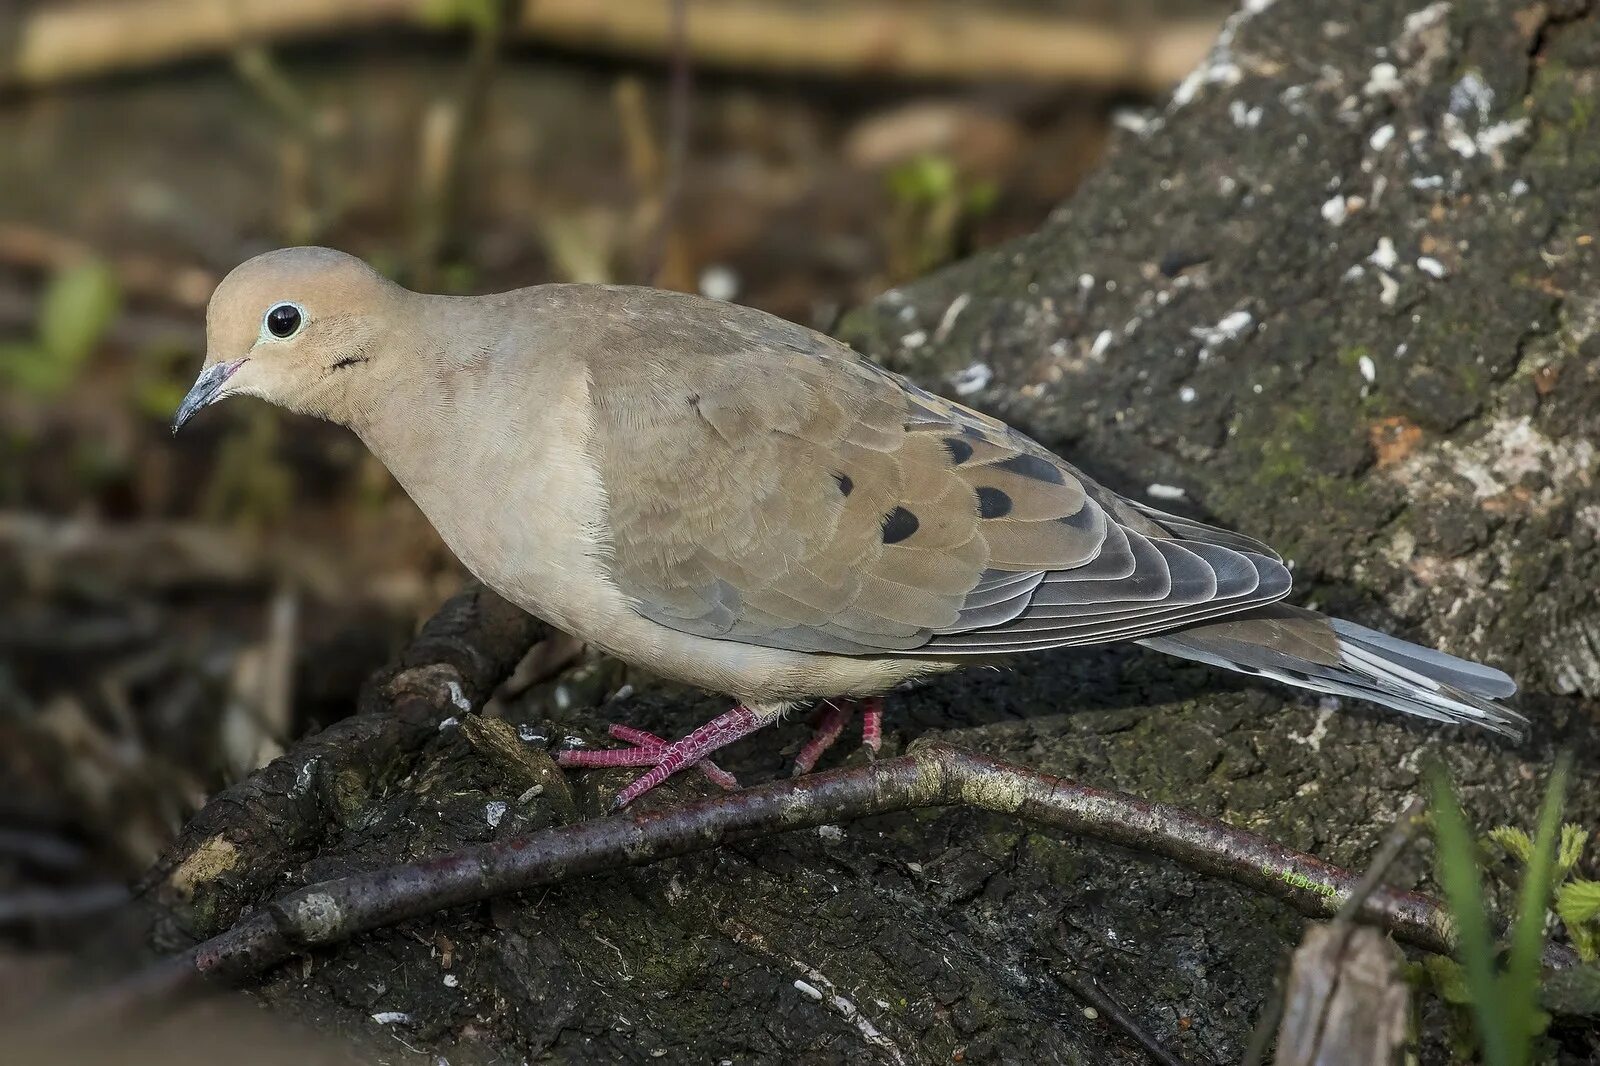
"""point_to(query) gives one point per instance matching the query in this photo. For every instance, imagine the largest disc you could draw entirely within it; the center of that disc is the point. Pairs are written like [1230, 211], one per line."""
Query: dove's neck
[487, 424]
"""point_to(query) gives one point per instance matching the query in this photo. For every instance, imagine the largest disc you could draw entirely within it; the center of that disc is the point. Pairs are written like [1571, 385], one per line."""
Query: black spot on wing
[899, 524]
[960, 451]
[846, 486]
[992, 503]
[1031, 466]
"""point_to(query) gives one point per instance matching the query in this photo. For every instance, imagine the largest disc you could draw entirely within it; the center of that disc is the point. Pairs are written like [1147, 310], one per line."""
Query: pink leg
[828, 727]
[655, 745]
[872, 723]
[667, 759]
[646, 751]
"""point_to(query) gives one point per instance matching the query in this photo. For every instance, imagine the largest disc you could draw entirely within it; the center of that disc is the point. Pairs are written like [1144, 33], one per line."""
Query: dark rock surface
[1345, 293]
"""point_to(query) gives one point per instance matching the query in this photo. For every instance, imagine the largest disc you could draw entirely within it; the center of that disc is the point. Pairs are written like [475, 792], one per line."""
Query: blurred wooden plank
[1346, 1003]
[839, 38]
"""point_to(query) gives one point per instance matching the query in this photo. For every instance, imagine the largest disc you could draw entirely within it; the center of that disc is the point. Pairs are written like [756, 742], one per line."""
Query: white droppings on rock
[1424, 182]
[527, 734]
[494, 811]
[1381, 137]
[1431, 266]
[1384, 257]
[1187, 394]
[1158, 491]
[1388, 290]
[449, 723]
[1519, 188]
[1219, 67]
[831, 833]
[1382, 80]
[914, 340]
[1232, 327]
[452, 981]
[810, 991]
[719, 282]
[1456, 136]
[1369, 369]
[458, 696]
[974, 378]
[1101, 342]
[947, 321]
[303, 776]
[1336, 210]
[392, 1017]
[1472, 95]
[1491, 139]
[1244, 116]
[1355, 273]
[1140, 123]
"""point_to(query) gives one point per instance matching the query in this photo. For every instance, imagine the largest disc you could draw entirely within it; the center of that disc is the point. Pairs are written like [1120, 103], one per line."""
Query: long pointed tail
[1311, 651]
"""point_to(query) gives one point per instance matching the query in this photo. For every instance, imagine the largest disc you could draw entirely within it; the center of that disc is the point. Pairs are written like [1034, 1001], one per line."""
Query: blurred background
[174, 611]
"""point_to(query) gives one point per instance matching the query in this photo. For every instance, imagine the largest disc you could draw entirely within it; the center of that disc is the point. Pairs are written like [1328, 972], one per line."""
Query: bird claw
[647, 750]
[830, 723]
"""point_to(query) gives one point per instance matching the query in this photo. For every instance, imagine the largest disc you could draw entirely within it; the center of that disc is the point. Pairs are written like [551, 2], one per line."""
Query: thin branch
[1091, 993]
[850, 38]
[932, 775]
[246, 837]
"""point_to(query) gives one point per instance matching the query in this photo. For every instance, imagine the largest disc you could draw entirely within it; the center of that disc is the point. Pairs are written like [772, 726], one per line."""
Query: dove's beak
[207, 388]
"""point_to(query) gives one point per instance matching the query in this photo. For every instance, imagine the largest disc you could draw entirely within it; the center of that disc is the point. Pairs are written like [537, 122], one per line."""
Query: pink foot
[666, 759]
[831, 723]
[872, 723]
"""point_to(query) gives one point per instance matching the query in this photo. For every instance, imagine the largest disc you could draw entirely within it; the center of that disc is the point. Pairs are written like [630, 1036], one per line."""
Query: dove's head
[304, 328]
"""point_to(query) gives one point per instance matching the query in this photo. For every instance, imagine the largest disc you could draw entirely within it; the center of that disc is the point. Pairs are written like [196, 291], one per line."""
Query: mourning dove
[739, 503]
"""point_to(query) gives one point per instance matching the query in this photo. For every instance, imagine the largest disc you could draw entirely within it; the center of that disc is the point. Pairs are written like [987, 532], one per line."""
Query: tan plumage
[747, 505]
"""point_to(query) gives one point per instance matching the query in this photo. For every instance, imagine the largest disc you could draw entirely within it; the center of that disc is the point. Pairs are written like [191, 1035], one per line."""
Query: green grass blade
[1527, 936]
[1463, 889]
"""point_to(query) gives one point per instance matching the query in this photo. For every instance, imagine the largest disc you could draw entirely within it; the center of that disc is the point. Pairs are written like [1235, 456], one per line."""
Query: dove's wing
[767, 485]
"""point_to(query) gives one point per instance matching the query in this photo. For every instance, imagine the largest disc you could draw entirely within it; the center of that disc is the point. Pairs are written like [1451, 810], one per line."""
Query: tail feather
[1310, 651]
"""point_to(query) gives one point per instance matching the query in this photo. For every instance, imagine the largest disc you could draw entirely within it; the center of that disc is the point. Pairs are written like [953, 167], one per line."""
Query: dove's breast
[525, 509]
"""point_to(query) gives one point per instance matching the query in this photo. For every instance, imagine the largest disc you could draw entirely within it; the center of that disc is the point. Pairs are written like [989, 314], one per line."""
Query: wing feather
[767, 485]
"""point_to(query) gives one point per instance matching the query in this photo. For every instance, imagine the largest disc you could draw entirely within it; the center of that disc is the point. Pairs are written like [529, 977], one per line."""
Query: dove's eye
[284, 320]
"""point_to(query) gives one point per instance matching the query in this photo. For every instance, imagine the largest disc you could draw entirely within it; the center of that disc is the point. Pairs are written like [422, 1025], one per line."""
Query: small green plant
[932, 202]
[1503, 1001]
[78, 305]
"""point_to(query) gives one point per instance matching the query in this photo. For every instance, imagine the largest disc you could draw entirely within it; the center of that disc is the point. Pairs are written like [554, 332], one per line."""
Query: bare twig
[931, 775]
[242, 841]
[877, 38]
[1091, 993]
